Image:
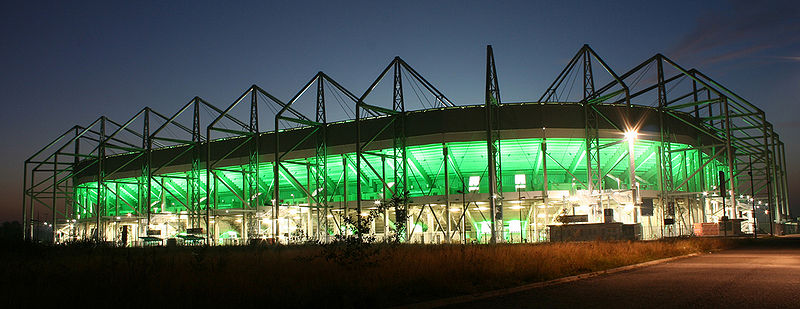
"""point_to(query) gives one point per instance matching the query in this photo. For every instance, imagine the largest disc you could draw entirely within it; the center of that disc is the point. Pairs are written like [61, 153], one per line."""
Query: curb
[502, 292]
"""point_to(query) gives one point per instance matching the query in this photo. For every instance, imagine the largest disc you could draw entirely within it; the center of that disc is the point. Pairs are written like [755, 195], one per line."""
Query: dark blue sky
[67, 63]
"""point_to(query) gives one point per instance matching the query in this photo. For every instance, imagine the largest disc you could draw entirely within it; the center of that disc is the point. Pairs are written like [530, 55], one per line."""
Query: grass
[304, 276]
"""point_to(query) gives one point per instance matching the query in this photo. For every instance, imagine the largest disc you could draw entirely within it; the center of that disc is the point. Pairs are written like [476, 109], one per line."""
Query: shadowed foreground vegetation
[343, 275]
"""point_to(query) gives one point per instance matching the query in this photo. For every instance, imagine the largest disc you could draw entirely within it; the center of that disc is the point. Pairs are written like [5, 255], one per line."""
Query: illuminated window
[474, 183]
[519, 181]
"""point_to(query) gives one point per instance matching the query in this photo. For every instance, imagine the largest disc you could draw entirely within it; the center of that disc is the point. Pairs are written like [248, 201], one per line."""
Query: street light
[631, 134]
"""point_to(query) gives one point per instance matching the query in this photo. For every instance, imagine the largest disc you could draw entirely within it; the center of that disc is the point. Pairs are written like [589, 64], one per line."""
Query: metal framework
[154, 177]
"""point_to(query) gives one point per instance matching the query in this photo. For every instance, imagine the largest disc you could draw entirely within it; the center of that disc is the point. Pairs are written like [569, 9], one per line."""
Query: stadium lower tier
[544, 183]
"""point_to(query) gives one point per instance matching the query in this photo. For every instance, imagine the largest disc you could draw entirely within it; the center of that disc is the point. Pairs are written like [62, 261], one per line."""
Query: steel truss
[68, 158]
[397, 154]
[245, 142]
[492, 105]
[733, 136]
[594, 118]
[317, 193]
[727, 124]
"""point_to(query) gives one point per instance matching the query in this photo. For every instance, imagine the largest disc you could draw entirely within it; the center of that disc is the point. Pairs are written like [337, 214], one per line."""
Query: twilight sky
[64, 63]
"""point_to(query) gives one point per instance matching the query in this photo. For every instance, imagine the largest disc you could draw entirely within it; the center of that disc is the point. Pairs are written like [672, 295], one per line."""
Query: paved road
[763, 276]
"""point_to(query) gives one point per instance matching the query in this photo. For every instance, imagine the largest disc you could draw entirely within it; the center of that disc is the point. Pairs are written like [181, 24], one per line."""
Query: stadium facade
[659, 147]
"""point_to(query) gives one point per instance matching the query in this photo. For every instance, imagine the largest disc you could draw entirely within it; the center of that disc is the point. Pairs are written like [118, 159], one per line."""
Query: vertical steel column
[731, 158]
[76, 159]
[784, 182]
[32, 207]
[308, 200]
[209, 196]
[383, 200]
[321, 161]
[779, 179]
[773, 200]
[701, 173]
[753, 194]
[344, 190]
[493, 147]
[55, 191]
[592, 139]
[145, 184]
[25, 217]
[399, 145]
[544, 168]
[446, 192]
[252, 195]
[101, 153]
[665, 154]
[193, 183]
[777, 175]
[358, 168]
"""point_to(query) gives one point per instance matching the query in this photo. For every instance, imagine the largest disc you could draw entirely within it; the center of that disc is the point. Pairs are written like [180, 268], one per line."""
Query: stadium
[653, 152]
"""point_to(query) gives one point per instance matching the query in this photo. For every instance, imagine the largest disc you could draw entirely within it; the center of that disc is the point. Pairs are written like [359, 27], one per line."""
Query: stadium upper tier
[424, 127]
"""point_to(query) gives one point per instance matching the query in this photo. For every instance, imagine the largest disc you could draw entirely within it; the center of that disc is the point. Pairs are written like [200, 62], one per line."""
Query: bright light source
[516, 207]
[514, 226]
[631, 134]
[455, 209]
[377, 202]
[519, 181]
[486, 227]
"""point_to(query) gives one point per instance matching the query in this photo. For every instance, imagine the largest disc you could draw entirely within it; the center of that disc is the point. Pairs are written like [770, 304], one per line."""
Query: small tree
[361, 224]
[357, 249]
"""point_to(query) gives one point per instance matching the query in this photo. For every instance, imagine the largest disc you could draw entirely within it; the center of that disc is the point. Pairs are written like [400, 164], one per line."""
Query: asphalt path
[766, 275]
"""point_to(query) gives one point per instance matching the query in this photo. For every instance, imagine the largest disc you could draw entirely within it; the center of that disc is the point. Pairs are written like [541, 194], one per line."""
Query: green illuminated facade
[566, 163]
